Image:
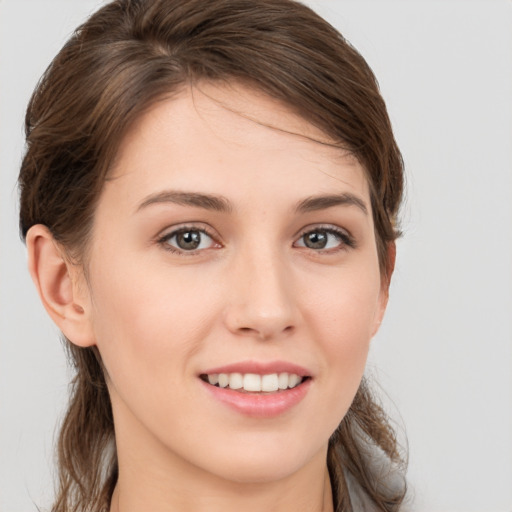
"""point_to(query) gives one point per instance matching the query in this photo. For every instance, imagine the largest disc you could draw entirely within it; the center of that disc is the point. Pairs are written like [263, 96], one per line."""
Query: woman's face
[231, 249]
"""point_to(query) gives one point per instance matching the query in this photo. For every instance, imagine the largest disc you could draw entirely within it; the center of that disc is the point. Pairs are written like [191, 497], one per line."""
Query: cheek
[344, 306]
[148, 333]
[148, 324]
[343, 319]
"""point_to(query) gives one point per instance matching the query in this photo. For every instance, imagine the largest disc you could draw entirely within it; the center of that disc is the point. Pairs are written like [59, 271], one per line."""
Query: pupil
[188, 240]
[316, 240]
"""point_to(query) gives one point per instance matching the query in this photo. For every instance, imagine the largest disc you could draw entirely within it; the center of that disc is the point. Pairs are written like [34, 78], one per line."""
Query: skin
[252, 291]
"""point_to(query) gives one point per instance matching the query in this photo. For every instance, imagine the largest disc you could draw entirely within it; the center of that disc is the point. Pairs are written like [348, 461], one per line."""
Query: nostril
[262, 323]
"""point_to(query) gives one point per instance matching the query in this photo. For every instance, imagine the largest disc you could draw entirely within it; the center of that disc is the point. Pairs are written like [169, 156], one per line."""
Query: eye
[321, 239]
[187, 240]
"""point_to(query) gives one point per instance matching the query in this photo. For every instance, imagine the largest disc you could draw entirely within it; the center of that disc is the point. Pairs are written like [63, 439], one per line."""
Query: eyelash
[164, 240]
[345, 239]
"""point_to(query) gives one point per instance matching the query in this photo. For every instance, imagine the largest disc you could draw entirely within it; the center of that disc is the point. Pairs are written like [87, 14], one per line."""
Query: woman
[209, 200]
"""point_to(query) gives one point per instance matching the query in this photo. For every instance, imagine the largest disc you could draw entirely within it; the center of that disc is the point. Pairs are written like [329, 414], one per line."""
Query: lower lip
[260, 405]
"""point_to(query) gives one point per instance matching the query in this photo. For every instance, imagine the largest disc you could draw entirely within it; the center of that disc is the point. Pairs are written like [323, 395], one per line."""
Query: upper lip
[260, 368]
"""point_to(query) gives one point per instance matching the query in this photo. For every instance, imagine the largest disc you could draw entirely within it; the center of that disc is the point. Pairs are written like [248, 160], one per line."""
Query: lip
[260, 405]
[261, 368]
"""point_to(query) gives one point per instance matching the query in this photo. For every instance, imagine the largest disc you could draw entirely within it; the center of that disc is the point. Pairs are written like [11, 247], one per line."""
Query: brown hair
[125, 57]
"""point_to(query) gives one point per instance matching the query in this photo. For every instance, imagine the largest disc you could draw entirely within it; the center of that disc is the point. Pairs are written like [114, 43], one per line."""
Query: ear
[61, 286]
[384, 286]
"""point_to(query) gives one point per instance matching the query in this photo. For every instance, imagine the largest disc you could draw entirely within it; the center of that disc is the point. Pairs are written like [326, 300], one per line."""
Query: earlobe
[58, 283]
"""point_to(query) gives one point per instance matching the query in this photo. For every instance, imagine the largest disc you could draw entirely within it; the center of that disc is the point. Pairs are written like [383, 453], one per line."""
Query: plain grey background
[444, 354]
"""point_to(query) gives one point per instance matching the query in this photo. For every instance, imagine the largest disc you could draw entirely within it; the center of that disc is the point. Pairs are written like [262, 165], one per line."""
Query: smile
[258, 390]
[253, 382]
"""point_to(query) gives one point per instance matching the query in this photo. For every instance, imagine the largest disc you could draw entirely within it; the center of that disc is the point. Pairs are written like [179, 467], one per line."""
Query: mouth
[255, 383]
[256, 389]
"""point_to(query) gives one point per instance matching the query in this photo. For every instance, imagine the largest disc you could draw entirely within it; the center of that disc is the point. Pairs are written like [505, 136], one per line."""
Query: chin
[255, 472]
[265, 460]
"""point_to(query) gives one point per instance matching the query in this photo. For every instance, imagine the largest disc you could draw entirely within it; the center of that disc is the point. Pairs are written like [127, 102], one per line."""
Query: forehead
[216, 137]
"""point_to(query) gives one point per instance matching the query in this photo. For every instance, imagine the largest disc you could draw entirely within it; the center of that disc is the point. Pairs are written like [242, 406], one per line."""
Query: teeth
[223, 380]
[252, 382]
[283, 381]
[255, 383]
[235, 380]
[270, 382]
[293, 380]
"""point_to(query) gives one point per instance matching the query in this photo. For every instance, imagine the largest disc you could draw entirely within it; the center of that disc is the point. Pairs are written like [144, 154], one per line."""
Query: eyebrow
[206, 201]
[221, 204]
[323, 202]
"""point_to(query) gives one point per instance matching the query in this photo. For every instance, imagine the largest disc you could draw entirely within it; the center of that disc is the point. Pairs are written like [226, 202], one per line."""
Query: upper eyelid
[192, 226]
[325, 227]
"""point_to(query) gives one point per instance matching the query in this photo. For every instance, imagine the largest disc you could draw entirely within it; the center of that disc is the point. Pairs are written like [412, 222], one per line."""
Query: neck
[281, 496]
[151, 478]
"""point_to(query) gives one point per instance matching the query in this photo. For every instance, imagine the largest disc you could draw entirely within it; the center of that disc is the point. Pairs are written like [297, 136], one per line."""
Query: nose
[262, 303]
